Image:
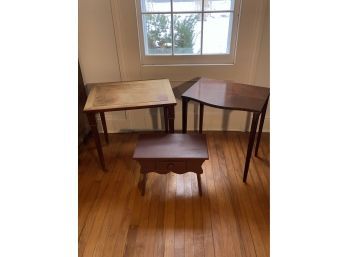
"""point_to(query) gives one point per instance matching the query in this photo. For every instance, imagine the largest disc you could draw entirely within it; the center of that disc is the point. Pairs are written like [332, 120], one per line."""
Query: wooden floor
[230, 219]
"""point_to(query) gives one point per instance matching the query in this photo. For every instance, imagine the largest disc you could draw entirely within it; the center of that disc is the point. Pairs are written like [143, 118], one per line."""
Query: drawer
[175, 166]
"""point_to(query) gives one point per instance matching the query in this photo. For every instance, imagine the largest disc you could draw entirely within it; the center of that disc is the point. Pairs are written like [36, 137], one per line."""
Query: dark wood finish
[130, 95]
[93, 124]
[171, 219]
[262, 120]
[164, 153]
[105, 130]
[199, 183]
[171, 146]
[165, 114]
[83, 128]
[171, 117]
[201, 113]
[251, 144]
[228, 95]
[184, 114]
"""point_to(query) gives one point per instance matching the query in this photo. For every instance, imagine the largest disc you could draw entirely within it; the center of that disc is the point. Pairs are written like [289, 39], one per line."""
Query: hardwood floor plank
[214, 208]
[171, 219]
[94, 220]
[198, 235]
[169, 216]
[179, 233]
[207, 227]
[236, 200]
[101, 239]
[189, 246]
[250, 203]
[230, 239]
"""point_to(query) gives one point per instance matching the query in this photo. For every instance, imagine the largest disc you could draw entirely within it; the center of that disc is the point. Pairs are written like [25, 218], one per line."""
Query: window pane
[155, 5]
[218, 5]
[187, 5]
[187, 33]
[217, 30]
[157, 34]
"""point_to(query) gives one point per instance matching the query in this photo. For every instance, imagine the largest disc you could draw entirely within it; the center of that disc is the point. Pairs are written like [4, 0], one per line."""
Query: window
[188, 31]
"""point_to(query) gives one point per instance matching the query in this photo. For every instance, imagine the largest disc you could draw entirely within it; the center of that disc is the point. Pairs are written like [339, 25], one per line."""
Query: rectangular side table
[232, 96]
[130, 95]
[164, 153]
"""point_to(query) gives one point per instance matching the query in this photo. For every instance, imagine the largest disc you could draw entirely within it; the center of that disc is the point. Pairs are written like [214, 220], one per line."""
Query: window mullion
[172, 25]
[202, 17]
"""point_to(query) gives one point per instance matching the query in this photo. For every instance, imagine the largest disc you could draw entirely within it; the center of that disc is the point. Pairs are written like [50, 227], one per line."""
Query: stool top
[171, 146]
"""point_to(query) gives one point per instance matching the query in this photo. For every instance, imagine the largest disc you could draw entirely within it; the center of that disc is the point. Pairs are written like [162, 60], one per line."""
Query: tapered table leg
[184, 114]
[201, 112]
[105, 130]
[262, 120]
[93, 124]
[165, 112]
[171, 117]
[199, 183]
[251, 144]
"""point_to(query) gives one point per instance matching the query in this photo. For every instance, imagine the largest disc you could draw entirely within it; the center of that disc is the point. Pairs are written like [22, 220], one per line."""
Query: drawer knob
[170, 166]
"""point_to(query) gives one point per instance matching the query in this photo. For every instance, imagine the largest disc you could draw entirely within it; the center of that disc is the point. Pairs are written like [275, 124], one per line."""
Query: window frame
[187, 59]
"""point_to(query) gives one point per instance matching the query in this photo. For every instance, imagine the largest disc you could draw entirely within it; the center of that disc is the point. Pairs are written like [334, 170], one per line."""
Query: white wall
[106, 57]
[97, 48]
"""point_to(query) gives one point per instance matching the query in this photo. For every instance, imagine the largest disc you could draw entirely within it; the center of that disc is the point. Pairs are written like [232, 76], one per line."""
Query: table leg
[93, 124]
[263, 114]
[105, 130]
[184, 114]
[251, 144]
[199, 183]
[201, 112]
[171, 117]
[165, 112]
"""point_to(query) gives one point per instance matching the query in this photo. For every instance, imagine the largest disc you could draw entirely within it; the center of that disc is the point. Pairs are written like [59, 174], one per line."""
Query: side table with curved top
[232, 96]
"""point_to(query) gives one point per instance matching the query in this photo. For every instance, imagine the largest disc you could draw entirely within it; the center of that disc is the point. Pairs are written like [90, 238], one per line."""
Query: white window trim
[189, 60]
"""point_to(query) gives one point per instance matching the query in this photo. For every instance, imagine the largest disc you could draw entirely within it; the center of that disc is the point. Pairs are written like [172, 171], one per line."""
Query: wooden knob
[170, 166]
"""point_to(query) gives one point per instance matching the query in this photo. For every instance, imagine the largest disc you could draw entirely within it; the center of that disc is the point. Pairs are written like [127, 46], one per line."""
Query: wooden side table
[164, 153]
[130, 95]
[233, 96]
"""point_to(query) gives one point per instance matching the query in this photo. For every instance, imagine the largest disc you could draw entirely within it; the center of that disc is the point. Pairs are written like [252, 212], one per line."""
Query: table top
[171, 146]
[228, 94]
[129, 95]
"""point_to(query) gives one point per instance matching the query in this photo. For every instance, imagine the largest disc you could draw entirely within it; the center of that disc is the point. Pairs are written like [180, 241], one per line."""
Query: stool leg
[143, 184]
[199, 183]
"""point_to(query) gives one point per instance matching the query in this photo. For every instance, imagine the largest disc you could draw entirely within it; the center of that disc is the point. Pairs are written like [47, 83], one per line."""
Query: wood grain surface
[171, 146]
[230, 219]
[131, 94]
[228, 95]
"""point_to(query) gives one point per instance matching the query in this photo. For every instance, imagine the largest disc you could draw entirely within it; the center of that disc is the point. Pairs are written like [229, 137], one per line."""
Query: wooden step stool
[164, 153]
